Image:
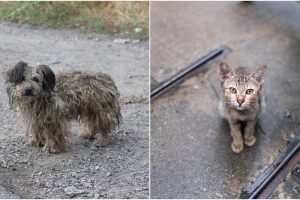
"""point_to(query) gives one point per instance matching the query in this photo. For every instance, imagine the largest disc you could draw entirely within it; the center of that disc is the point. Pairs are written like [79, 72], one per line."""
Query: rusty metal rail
[185, 72]
[275, 174]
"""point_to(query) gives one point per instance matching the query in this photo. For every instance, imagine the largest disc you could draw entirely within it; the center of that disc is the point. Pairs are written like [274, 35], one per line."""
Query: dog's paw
[88, 136]
[237, 147]
[36, 143]
[250, 141]
[101, 142]
[50, 147]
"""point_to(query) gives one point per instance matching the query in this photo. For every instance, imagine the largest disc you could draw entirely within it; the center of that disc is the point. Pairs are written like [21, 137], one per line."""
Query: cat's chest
[241, 115]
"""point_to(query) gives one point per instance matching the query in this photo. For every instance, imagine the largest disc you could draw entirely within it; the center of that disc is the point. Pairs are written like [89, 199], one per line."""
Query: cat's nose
[240, 100]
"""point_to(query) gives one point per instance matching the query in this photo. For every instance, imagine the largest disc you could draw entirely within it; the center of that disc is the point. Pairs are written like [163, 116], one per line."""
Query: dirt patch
[134, 99]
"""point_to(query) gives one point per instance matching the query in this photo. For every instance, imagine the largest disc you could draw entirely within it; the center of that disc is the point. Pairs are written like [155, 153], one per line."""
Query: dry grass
[130, 19]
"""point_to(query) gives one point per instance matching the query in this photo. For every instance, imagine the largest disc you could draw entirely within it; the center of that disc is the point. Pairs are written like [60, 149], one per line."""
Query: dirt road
[119, 170]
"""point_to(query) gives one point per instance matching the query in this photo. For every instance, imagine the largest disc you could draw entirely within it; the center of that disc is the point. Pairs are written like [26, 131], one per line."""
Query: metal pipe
[276, 171]
[178, 77]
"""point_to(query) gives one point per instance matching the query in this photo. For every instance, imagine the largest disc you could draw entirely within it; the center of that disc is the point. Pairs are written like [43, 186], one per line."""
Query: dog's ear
[48, 77]
[16, 74]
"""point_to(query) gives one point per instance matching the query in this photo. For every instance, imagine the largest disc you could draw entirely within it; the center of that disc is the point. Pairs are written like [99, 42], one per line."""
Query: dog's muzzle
[27, 92]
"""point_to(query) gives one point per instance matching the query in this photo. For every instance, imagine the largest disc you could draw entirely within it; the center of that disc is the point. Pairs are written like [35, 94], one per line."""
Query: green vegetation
[131, 19]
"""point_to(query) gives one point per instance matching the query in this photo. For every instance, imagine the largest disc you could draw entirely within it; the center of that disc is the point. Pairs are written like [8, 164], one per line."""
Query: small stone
[219, 195]
[36, 196]
[59, 184]
[40, 173]
[121, 41]
[135, 41]
[281, 196]
[93, 147]
[87, 185]
[49, 184]
[3, 163]
[90, 195]
[72, 191]
[287, 114]
[90, 37]
[96, 195]
[108, 174]
[292, 135]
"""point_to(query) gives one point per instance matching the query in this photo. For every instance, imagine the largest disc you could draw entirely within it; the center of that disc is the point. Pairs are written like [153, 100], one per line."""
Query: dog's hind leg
[91, 133]
[106, 124]
[93, 126]
[102, 139]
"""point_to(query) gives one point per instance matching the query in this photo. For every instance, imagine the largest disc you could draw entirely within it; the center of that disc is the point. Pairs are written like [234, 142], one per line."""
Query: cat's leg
[237, 145]
[249, 133]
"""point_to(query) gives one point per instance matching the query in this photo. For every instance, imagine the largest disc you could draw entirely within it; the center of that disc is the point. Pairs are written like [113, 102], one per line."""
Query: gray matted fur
[48, 102]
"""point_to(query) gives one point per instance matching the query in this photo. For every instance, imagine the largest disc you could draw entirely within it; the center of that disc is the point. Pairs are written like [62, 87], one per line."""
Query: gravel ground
[120, 170]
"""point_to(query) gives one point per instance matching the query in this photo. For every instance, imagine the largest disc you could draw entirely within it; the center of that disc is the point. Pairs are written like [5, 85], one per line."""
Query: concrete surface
[120, 170]
[190, 144]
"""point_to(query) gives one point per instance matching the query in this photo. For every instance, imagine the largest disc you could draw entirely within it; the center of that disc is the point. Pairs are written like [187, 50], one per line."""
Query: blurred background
[119, 18]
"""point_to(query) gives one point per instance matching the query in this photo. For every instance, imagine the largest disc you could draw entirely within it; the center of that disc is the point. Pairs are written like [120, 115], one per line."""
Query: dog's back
[90, 98]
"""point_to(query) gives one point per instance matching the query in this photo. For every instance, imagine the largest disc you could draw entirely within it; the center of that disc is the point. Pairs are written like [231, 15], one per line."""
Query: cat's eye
[232, 90]
[35, 79]
[249, 91]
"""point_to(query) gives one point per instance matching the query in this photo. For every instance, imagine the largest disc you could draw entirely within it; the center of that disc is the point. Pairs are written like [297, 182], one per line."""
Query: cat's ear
[225, 71]
[259, 74]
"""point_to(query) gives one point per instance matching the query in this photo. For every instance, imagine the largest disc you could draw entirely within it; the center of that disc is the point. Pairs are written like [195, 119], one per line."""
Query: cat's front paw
[250, 141]
[237, 147]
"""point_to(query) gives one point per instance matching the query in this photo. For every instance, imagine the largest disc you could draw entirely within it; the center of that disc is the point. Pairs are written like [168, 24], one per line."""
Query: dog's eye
[35, 79]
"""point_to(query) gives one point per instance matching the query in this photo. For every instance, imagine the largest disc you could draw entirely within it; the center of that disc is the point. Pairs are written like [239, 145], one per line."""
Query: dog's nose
[27, 92]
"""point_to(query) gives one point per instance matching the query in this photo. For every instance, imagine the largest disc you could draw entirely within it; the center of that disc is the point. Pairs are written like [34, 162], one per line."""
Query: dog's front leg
[55, 134]
[35, 133]
[50, 145]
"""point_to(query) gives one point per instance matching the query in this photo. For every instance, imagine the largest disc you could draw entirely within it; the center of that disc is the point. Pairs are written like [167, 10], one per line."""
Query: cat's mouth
[239, 107]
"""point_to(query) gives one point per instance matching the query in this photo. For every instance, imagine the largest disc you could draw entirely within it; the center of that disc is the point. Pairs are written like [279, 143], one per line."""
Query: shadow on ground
[190, 144]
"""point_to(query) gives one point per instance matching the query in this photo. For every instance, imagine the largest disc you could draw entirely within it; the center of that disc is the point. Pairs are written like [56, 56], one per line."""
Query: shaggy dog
[48, 103]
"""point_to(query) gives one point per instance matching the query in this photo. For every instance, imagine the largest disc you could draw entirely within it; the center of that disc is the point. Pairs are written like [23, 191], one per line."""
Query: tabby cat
[241, 102]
